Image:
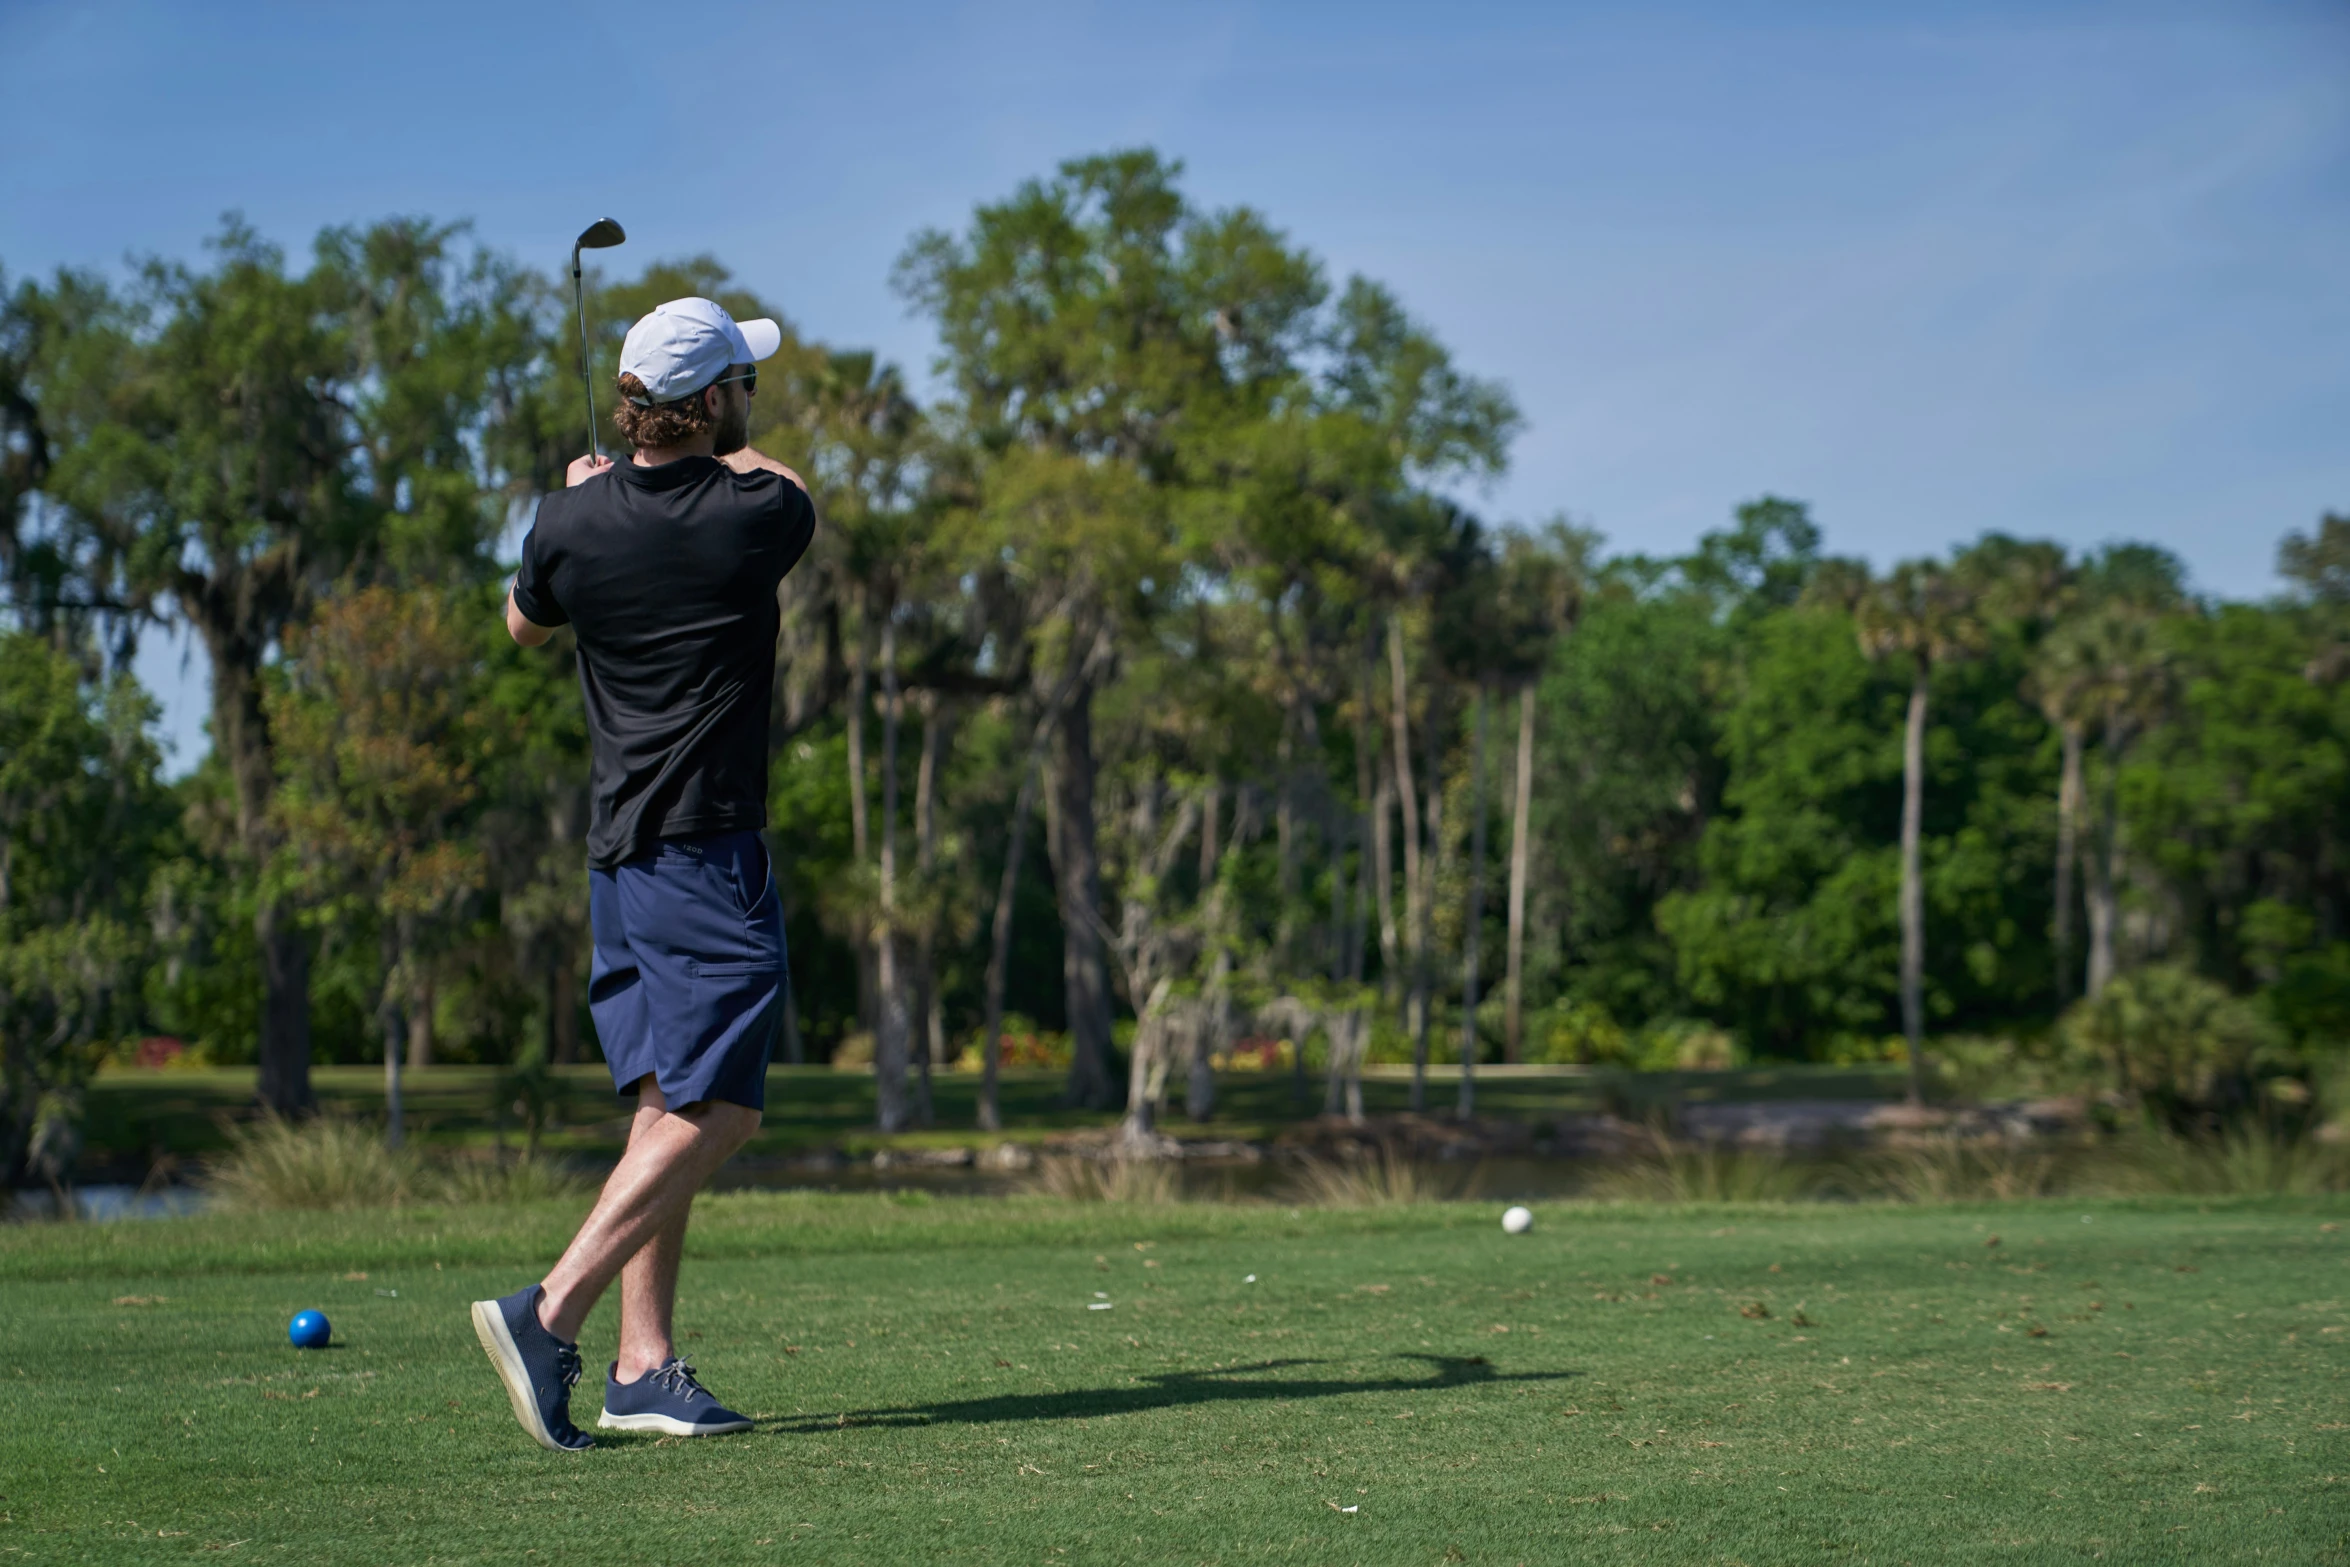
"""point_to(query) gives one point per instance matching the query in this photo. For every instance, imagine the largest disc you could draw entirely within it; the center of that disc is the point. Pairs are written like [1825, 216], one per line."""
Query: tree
[2117, 658]
[2235, 811]
[2038, 591]
[1543, 580]
[1923, 615]
[203, 461]
[1081, 320]
[83, 822]
[2318, 566]
[1787, 927]
[2062, 687]
[2318, 563]
[227, 442]
[380, 731]
[1629, 772]
[534, 814]
[1432, 422]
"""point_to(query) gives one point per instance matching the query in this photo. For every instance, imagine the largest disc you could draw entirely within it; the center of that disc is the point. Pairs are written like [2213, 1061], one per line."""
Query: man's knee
[722, 1121]
[745, 1123]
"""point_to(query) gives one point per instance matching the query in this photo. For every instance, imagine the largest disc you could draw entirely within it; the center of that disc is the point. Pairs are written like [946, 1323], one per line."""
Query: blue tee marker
[309, 1330]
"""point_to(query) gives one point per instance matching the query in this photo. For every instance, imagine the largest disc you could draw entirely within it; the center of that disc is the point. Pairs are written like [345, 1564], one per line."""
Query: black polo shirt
[668, 575]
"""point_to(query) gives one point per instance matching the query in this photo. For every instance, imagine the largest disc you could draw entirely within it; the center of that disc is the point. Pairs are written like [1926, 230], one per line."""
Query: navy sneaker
[538, 1368]
[668, 1399]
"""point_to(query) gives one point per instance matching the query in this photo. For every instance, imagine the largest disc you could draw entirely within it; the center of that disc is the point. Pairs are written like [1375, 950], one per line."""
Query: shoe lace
[678, 1377]
[567, 1364]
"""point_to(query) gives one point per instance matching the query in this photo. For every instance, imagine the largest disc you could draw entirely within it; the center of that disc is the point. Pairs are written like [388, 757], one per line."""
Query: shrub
[2310, 997]
[1574, 1032]
[2172, 1038]
[1997, 1066]
[1683, 1045]
[1023, 1045]
[1391, 1042]
[1257, 1053]
[1851, 1049]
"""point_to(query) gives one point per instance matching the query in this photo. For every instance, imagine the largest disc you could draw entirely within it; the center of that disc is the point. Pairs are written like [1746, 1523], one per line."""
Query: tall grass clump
[1146, 1182]
[1385, 1179]
[336, 1163]
[1956, 1169]
[328, 1162]
[1675, 1171]
[2245, 1161]
[496, 1182]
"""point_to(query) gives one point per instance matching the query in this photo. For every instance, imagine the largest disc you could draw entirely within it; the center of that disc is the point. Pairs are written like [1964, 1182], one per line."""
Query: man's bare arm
[522, 629]
[750, 461]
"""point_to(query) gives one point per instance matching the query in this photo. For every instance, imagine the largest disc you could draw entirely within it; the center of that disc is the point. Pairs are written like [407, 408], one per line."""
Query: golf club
[602, 234]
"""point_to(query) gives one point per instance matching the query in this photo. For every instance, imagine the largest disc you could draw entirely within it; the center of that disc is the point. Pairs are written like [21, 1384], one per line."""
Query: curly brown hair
[664, 424]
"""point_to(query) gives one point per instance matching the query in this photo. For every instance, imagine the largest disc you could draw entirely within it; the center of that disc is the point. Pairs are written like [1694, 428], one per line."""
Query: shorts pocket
[763, 967]
[751, 874]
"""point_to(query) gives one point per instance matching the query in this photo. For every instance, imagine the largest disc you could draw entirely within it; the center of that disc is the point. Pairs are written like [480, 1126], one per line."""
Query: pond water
[106, 1202]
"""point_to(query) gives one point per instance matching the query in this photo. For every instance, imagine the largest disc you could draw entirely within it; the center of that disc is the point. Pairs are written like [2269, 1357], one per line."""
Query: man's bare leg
[648, 1283]
[648, 1302]
[670, 1154]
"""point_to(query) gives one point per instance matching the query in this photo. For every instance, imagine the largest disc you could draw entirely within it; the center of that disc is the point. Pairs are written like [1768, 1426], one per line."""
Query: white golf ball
[1518, 1220]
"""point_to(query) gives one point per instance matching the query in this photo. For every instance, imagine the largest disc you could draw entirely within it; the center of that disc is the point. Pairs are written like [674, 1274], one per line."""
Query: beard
[733, 430]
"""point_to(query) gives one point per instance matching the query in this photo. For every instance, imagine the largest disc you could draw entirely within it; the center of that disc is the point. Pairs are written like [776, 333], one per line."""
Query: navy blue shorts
[687, 984]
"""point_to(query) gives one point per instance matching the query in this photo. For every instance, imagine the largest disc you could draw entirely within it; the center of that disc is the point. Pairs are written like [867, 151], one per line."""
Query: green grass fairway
[2136, 1382]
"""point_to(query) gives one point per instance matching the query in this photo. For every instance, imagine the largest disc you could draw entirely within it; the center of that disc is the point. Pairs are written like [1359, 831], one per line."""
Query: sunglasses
[749, 379]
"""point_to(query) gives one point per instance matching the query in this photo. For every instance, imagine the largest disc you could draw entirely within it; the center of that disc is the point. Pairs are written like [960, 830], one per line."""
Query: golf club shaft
[587, 385]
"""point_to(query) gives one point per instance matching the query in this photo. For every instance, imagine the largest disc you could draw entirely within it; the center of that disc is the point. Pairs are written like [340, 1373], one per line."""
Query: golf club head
[602, 234]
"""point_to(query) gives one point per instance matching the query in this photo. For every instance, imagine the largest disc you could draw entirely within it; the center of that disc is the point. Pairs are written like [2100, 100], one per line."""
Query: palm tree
[860, 435]
[2060, 684]
[2092, 667]
[2119, 663]
[1927, 614]
[1543, 580]
[2030, 586]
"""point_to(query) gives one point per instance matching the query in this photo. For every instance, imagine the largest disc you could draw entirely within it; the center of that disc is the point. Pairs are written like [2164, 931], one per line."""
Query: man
[666, 567]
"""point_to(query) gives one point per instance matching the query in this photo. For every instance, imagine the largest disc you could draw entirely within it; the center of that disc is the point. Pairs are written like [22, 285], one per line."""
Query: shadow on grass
[1166, 1390]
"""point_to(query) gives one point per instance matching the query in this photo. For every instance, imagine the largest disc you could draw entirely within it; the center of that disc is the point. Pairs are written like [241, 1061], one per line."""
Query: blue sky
[2070, 270]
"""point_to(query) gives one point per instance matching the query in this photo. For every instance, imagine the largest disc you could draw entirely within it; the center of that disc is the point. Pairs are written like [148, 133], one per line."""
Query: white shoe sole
[668, 1425]
[489, 1325]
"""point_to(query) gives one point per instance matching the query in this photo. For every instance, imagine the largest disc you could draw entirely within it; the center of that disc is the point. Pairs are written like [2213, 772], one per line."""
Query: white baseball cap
[686, 344]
